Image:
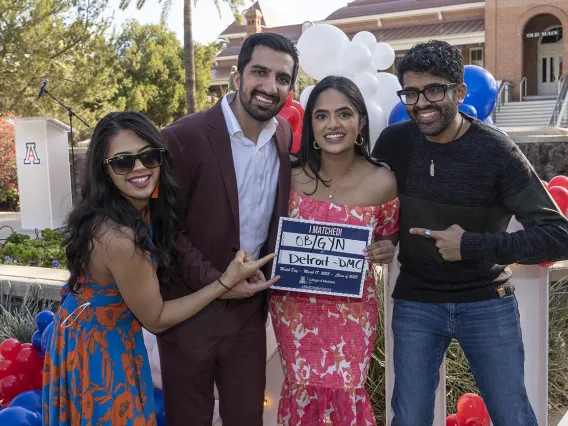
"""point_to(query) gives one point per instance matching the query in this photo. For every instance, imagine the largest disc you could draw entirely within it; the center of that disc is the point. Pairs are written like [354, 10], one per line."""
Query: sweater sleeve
[545, 237]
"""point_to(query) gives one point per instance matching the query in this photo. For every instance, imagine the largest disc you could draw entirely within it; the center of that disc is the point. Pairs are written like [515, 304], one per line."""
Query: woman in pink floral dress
[326, 342]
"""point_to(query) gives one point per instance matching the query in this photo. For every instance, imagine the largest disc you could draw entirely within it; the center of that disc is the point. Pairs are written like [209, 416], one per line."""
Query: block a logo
[31, 154]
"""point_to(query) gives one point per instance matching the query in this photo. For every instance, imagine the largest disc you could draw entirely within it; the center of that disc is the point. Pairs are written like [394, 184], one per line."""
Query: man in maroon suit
[232, 165]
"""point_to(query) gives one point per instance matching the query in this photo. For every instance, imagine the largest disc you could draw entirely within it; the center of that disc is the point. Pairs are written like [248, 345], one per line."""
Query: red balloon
[10, 348]
[559, 180]
[37, 380]
[6, 402]
[7, 368]
[473, 421]
[293, 116]
[12, 386]
[300, 109]
[289, 99]
[545, 184]
[560, 195]
[546, 264]
[454, 420]
[28, 360]
[297, 142]
[470, 406]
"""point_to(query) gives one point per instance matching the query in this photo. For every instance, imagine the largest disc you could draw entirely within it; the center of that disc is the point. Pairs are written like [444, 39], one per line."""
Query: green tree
[204, 59]
[188, 45]
[65, 41]
[150, 62]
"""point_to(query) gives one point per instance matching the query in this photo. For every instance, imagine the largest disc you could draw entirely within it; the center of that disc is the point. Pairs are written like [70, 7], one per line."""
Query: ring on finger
[428, 233]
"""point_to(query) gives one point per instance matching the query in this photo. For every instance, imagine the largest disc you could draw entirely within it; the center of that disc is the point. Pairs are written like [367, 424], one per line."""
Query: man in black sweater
[460, 181]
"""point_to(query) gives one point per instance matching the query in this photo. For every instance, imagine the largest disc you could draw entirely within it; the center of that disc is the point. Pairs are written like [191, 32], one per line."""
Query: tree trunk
[188, 56]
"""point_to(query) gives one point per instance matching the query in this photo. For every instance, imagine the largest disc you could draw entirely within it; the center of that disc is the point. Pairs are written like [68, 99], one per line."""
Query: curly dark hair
[101, 202]
[433, 57]
[310, 158]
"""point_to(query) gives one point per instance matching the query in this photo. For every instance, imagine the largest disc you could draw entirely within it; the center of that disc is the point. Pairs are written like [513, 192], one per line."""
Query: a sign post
[44, 179]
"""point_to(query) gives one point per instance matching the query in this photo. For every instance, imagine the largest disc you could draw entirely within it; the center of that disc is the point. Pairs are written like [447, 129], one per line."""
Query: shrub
[9, 198]
[46, 251]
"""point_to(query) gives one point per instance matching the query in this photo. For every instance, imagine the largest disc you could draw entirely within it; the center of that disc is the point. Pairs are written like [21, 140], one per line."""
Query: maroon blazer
[203, 164]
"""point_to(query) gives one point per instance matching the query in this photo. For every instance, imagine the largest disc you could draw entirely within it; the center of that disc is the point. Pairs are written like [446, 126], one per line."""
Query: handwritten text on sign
[319, 257]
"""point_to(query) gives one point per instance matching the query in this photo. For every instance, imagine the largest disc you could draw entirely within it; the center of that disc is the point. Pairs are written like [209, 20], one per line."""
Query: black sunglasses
[432, 94]
[122, 164]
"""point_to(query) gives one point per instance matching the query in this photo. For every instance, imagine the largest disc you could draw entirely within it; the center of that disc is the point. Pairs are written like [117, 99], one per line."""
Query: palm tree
[188, 55]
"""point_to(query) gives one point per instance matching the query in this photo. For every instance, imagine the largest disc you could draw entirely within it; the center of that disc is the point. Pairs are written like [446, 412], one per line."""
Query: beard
[447, 113]
[260, 112]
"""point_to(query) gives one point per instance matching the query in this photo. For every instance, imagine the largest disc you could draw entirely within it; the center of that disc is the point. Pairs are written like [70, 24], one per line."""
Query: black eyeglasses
[122, 164]
[432, 94]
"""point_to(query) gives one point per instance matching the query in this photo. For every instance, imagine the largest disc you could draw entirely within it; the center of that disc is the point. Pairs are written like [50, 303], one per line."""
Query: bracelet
[221, 282]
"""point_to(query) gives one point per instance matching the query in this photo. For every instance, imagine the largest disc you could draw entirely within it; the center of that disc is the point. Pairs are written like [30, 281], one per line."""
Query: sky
[207, 24]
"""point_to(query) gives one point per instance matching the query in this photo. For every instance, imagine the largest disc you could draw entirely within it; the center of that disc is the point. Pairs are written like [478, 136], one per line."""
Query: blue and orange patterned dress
[96, 369]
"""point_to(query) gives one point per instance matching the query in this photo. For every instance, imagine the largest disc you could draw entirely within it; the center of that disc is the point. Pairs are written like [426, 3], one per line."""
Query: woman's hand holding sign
[448, 242]
[380, 252]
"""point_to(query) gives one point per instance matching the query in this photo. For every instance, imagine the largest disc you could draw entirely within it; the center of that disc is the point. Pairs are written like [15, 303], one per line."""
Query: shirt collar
[233, 125]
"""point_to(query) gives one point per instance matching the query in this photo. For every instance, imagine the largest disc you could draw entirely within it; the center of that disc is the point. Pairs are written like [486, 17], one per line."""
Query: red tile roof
[432, 30]
[378, 7]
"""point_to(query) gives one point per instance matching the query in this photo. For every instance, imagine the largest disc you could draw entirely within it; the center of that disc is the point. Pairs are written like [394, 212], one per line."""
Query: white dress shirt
[256, 168]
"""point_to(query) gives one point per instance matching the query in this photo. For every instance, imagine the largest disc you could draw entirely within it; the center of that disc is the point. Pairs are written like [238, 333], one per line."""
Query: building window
[476, 56]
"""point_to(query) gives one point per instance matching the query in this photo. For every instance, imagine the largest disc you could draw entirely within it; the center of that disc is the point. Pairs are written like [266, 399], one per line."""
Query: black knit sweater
[481, 180]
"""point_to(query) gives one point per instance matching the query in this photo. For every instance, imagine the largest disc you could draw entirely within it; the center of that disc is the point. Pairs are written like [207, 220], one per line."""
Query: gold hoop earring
[357, 140]
[316, 146]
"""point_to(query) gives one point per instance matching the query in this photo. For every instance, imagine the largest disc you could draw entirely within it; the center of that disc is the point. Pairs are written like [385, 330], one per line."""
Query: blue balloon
[468, 109]
[398, 114]
[160, 410]
[43, 319]
[489, 120]
[18, 416]
[36, 340]
[482, 90]
[30, 400]
[46, 337]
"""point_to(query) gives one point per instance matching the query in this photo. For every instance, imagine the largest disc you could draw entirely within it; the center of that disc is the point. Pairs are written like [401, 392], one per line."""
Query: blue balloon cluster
[160, 410]
[24, 410]
[42, 336]
[480, 98]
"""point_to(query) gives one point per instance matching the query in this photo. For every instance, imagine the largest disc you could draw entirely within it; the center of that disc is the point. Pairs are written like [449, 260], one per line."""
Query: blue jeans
[489, 333]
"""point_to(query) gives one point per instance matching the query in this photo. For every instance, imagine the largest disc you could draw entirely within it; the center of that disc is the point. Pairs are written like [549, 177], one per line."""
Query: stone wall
[548, 158]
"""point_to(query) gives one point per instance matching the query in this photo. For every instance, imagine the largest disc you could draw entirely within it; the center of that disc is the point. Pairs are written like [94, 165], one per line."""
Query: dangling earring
[156, 192]
[357, 140]
[316, 146]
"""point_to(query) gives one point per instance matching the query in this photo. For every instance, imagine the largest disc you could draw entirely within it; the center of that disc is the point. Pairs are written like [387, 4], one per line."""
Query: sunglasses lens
[151, 159]
[122, 165]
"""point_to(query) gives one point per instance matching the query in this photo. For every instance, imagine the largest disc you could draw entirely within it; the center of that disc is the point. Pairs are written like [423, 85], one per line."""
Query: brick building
[517, 40]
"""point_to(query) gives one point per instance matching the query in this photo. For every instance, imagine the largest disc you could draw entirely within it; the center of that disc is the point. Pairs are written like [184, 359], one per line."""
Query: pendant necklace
[330, 192]
[432, 167]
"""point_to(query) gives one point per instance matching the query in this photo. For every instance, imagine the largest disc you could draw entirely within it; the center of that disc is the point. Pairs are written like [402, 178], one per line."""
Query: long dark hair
[102, 201]
[310, 158]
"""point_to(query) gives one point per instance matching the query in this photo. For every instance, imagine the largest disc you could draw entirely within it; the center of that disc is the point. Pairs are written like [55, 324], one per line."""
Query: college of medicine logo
[31, 154]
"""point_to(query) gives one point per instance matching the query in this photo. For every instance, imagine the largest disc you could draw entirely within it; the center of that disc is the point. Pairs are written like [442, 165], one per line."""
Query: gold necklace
[330, 196]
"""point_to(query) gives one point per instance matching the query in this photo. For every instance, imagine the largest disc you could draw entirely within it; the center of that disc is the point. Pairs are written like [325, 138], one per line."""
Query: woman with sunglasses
[120, 244]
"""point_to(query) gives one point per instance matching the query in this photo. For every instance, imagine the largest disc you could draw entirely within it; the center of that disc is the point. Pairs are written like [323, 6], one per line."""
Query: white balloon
[383, 56]
[377, 121]
[149, 340]
[320, 48]
[305, 95]
[367, 84]
[155, 368]
[386, 96]
[356, 58]
[366, 39]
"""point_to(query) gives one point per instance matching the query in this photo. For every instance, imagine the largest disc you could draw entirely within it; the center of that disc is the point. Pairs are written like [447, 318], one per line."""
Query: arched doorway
[543, 58]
